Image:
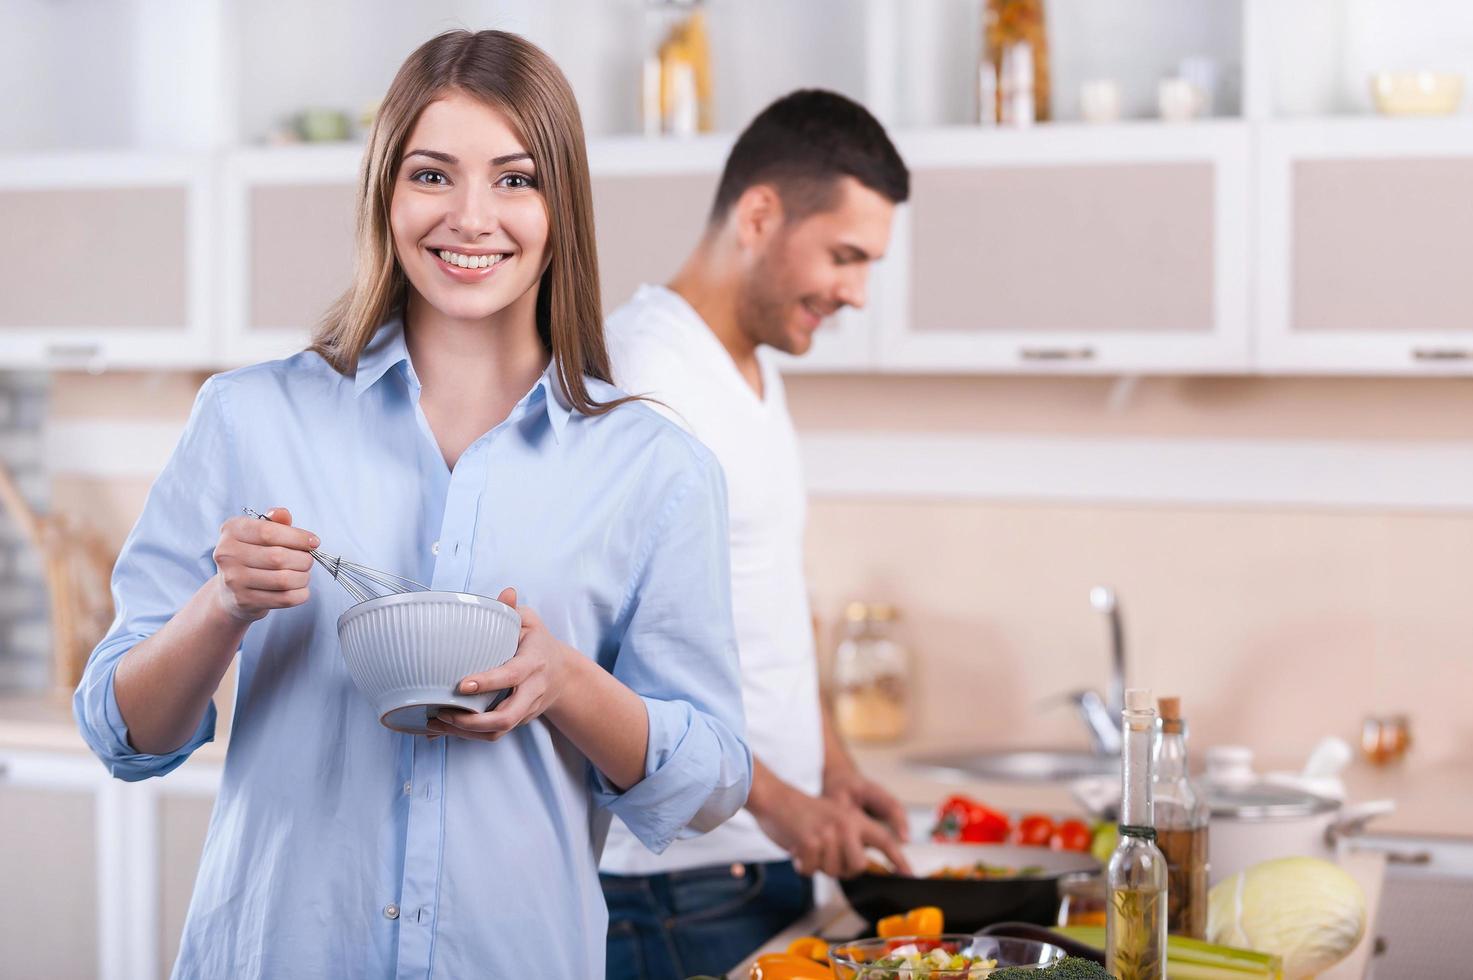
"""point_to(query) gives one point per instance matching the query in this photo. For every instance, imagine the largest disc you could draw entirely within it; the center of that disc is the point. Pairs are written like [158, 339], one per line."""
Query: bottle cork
[1139, 699]
[1170, 708]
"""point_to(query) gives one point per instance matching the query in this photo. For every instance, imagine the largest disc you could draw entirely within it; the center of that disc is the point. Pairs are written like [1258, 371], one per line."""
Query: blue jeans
[701, 921]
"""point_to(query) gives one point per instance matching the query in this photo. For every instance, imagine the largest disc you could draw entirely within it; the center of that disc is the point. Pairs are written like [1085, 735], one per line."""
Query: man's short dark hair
[802, 144]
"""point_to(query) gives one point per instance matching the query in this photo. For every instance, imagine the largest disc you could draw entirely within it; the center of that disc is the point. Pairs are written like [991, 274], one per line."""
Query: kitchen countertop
[835, 921]
[1431, 798]
[43, 722]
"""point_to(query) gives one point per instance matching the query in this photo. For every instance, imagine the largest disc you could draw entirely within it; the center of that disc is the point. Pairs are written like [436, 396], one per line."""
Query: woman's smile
[466, 266]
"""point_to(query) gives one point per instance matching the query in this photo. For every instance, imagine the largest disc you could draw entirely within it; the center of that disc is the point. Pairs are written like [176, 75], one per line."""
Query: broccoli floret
[1069, 968]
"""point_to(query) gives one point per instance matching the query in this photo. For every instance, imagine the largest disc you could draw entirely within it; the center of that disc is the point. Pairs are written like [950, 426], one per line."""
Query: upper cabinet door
[651, 202]
[287, 245]
[106, 260]
[1071, 249]
[1365, 231]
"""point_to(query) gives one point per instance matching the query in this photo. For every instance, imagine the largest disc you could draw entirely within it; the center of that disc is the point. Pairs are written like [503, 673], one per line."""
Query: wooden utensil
[77, 566]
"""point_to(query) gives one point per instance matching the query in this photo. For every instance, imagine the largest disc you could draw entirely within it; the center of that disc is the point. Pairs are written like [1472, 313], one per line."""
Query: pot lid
[1265, 801]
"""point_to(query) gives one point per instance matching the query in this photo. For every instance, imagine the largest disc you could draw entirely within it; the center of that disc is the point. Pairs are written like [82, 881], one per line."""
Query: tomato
[1072, 835]
[1035, 829]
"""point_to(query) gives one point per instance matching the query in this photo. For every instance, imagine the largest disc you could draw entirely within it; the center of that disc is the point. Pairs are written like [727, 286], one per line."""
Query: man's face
[807, 270]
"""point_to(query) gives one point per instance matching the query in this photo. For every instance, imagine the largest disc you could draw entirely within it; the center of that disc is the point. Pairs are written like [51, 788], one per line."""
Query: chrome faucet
[1102, 715]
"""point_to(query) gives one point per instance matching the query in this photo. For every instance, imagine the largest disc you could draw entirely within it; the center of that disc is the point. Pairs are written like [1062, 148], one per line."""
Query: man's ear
[758, 213]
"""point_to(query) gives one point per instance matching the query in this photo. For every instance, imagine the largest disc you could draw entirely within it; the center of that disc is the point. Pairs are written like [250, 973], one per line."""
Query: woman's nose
[473, 212]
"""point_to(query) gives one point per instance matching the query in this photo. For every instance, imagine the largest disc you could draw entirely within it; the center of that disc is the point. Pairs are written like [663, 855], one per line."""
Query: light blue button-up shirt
[339, 848]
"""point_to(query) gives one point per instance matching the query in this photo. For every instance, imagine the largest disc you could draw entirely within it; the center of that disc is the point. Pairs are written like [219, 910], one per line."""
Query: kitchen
[1249, 421]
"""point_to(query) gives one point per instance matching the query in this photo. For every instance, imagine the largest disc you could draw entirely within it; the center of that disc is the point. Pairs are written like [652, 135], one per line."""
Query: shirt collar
[387, 350]
[559, 407]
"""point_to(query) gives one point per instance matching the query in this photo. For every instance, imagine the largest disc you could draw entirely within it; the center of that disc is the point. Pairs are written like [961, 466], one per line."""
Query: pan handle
[1352, 820]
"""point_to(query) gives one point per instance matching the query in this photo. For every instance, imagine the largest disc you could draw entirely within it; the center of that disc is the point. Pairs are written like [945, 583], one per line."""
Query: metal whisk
[359, 581]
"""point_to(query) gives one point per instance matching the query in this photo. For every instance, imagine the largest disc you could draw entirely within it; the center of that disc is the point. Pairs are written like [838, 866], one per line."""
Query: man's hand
[849, 787]
[822, 834]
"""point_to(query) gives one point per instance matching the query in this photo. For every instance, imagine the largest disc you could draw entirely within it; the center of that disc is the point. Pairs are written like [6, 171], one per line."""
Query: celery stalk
[1193, 959]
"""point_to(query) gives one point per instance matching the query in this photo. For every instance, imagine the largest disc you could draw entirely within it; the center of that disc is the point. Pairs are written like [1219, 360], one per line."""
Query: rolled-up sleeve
[679, 654]
[166, 558]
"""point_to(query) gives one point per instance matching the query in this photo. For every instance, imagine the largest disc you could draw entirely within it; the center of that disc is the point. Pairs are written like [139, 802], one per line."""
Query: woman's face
[469, 222]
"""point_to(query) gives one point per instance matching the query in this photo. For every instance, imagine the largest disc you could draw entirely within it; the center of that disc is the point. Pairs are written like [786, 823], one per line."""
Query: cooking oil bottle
[1181, 816]
[1135, 918]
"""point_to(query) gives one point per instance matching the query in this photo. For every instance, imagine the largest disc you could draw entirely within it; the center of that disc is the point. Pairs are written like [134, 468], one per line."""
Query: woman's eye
[431, 177]
[518, 181]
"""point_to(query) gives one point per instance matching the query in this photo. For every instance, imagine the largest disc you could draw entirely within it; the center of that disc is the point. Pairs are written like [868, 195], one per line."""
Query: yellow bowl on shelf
[1417, 93]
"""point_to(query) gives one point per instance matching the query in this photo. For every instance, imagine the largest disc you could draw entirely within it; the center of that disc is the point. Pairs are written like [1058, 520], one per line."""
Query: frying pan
[969, 905]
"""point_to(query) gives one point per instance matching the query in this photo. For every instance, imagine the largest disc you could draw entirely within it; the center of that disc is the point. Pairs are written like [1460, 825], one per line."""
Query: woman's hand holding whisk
[263, 565]
[539, 672]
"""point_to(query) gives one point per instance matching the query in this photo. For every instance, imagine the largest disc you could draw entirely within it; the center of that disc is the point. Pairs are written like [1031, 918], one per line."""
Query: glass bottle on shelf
[1006, 24]
[675, 96]
[1135, 918]
[871, 676]
[1181, 815]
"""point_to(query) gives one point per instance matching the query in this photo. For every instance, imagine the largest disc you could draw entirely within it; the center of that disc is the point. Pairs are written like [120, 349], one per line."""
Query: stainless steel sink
[1017, 765]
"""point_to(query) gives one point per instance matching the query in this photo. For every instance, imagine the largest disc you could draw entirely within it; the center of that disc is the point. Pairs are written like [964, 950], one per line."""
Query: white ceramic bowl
[406, 653]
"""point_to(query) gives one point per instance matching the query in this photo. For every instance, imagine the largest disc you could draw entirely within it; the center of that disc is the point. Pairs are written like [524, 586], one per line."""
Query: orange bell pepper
[924, 921]
[891, 926]
[810, 946]
[786, 966]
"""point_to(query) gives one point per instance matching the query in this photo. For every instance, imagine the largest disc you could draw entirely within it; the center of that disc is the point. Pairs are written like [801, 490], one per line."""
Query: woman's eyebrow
[447, 158]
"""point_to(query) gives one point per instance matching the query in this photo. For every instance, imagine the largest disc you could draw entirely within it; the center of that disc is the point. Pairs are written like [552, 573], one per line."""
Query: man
[803, 209]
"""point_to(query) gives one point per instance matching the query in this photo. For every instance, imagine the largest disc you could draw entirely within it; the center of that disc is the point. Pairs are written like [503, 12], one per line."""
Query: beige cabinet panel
[1382, 245]
[1087, 248]
[94, 258]
[645, 226]
[301, 252]
[183, 822]
[48, 883]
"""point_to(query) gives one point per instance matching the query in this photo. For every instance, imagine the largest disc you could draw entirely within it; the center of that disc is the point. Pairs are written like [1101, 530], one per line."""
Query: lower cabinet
[97, 872]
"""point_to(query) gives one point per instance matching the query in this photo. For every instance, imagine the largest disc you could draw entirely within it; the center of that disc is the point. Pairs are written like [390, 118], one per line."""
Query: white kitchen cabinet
[1364, 231]
[106, 259]
[97, 872]
[1072, 249]
[286, 245]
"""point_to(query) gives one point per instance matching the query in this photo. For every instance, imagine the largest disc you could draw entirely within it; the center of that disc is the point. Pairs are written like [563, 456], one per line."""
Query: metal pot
[1262, 821]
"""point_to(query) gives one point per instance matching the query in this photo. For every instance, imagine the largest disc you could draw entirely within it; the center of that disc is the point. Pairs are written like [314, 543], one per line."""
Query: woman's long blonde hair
[518, 79]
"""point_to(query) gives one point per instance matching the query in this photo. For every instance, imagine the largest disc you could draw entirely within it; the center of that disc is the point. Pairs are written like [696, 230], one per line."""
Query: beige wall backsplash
[1276, 625]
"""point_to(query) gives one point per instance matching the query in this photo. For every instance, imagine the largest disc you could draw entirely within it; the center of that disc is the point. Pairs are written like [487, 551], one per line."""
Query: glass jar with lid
[871, 675]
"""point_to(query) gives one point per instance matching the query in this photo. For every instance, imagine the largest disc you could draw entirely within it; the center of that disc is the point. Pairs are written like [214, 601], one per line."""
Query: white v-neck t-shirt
[661, 347]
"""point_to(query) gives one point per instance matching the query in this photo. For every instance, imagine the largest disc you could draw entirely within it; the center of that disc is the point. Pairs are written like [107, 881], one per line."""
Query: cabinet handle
[1442, 354]
[1056, 353]
[1408, 857]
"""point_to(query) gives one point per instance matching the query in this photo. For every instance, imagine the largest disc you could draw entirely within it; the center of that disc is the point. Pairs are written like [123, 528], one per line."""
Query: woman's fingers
[513, 673]
[250, 530]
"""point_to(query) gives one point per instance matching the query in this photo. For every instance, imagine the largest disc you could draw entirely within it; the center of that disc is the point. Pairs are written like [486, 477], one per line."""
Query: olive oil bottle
[1136, 879]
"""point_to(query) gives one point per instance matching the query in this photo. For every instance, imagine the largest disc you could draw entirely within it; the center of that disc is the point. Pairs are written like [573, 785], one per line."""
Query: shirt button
[435, 548]
[391, 911]
[408, 787]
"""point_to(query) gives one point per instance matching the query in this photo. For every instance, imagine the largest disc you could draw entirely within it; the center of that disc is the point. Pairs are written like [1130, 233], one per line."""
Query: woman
[453, 422]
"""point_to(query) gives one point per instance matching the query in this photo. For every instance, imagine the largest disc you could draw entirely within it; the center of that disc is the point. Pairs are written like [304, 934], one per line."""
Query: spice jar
[871, 676]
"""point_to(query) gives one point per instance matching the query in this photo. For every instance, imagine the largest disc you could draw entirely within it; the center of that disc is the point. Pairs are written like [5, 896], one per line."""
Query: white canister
[1099, 100]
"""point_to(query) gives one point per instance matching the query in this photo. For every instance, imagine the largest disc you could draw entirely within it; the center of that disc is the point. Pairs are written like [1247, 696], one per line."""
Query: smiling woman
[454, 424]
